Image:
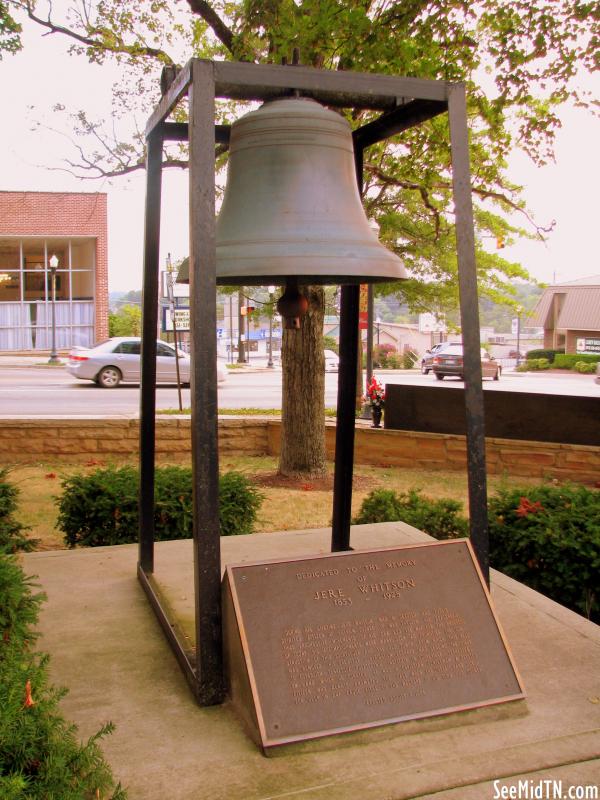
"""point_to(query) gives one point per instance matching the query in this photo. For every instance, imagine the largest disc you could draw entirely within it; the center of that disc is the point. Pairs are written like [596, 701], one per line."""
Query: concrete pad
[107, 647]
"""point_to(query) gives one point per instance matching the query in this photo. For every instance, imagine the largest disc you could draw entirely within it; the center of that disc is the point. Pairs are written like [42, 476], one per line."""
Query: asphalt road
[41, 390]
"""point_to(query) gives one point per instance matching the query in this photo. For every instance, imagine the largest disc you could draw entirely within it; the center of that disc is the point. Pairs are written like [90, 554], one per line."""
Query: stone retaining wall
[79, 439]
[25, 440]
[437, 451]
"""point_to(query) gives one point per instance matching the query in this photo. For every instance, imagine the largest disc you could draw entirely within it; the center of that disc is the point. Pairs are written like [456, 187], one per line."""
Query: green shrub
[330, 343]
[239, 503]
[101, 508]
[544, 353]
[393, 361]
[536, 364]
[12, 533]
[548, 537]
[438, 518]
[381, 355]
[585, 367]
[40, 756]
[569, 360]
[409, 359]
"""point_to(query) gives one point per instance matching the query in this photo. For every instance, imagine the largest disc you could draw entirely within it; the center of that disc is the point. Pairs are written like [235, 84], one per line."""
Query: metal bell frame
[404, 103]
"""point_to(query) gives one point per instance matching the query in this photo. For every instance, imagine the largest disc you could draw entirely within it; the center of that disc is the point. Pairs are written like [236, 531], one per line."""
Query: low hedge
[541, 352]
[40, 755]
[101, 508]
[12, 533]
[547, 537]
[438, 518]
[534, 365]
[568, 360]
[585, 367]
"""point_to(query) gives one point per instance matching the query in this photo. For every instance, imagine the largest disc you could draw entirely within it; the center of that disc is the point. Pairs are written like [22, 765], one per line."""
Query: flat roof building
[34, 226]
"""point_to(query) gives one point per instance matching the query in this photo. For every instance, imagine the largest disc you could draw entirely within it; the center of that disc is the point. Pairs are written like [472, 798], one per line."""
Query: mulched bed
[276, 481]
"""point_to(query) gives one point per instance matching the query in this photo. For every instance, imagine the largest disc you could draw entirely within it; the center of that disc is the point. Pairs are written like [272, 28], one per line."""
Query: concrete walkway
[107, 647]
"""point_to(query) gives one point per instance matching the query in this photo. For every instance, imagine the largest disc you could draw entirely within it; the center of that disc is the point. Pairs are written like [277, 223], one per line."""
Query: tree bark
[302, 451]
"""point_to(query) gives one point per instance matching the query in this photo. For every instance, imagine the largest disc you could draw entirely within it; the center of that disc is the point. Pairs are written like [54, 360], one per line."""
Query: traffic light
[500, 242]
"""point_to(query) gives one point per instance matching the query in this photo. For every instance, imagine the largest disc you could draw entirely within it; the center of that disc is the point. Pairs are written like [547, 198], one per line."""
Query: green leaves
[12, 532]
[40, 755]
[10, 40]
[101, 508]
[548, 537]
[439, 518]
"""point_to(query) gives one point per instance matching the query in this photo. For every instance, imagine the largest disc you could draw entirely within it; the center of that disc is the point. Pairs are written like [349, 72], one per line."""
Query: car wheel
[498, 373]
[109, 377]
[424, 370]
[439, 377]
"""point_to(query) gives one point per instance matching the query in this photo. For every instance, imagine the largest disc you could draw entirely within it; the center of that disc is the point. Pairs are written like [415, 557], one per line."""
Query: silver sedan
[118, 359]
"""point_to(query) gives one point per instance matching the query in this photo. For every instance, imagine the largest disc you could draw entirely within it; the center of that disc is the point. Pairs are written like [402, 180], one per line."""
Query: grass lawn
[288, 504]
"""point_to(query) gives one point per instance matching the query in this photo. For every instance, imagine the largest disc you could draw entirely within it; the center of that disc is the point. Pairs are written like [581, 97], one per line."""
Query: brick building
[34, 226]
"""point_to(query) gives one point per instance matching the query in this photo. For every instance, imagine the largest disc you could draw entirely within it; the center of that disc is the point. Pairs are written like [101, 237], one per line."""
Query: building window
[26, 292]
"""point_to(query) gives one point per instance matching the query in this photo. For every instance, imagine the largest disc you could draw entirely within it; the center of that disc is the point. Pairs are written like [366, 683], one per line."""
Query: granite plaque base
[347, 641]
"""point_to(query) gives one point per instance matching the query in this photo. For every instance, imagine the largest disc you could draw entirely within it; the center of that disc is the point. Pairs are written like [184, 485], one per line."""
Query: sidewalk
[107, 647]
[18, 360]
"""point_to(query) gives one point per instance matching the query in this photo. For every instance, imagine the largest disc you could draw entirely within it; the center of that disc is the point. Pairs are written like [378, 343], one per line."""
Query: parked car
[450, 362]
[427, 359]
[117, 360]
[332, 361]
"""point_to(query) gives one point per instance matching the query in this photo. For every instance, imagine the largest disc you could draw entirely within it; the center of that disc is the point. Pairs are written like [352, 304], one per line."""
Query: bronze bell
[291, 207]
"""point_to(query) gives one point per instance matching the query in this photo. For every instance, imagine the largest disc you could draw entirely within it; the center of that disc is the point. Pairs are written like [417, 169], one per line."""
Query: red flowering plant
[375, 395]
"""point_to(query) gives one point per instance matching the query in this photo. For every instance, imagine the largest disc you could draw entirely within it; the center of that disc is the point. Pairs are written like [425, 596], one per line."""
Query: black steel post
[469, 316]
[348, 378]
[203, 324]
[344, 433]
[148, 357]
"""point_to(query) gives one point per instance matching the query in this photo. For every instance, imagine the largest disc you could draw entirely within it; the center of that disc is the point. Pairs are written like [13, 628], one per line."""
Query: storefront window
[34, 254]
[82, 254]
[26, 292]
[83, 285]
[10, 254]
[34, 283]
[10, 287]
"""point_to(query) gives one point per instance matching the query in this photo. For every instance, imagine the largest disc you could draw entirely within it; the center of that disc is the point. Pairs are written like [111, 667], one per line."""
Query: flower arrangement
[375, 395]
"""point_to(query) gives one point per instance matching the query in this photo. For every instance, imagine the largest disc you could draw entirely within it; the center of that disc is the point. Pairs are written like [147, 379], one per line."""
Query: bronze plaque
[327, 644]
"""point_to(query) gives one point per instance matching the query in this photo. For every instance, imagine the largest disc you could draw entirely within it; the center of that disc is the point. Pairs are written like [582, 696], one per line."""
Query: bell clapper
[292, 305]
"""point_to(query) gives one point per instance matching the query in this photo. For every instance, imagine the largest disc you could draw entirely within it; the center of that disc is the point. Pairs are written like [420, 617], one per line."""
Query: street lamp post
[519, 312]
[172, 307]
[54, 359]
[271, 293]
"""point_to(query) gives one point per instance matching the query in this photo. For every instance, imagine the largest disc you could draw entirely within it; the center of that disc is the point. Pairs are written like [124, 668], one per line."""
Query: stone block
[535, 458]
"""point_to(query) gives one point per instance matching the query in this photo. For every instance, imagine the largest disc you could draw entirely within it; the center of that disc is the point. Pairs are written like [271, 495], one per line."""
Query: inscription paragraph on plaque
[353, 640]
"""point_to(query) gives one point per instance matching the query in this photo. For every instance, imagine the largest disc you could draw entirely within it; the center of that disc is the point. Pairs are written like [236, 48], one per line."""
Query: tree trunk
[303, 393]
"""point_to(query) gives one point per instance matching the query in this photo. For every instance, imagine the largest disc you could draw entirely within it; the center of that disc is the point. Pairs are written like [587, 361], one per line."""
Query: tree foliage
[519, 61]
[10, 40]
[127, 321]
